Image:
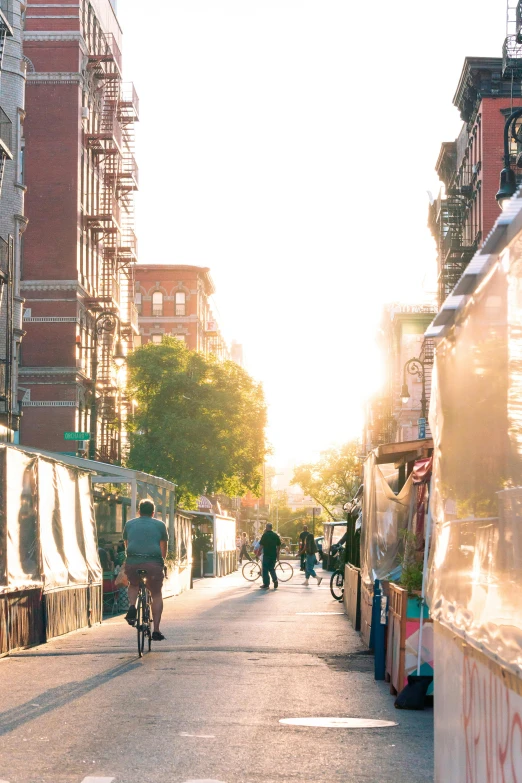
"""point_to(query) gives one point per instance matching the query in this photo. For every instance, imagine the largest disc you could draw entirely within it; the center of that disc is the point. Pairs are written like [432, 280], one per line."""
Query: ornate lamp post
[415, 367]
[508, 183]
[104, 323]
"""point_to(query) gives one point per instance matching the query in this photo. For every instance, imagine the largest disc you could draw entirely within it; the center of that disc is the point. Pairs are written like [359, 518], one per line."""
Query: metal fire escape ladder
[104, 139]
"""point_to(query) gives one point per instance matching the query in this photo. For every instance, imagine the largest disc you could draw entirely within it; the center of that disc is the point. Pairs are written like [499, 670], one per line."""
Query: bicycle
[337, 578]
[143, 613]
[337, 585]
[252, 571]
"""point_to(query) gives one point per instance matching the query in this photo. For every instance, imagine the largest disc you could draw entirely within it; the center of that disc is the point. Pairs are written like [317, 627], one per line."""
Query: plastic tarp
[476, 420]
[47, 523]
[385, 515]
[20, 518]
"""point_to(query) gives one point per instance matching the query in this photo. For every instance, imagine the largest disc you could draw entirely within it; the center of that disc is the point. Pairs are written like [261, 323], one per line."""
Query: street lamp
[508, 182]
[104, 323]
[415, 367]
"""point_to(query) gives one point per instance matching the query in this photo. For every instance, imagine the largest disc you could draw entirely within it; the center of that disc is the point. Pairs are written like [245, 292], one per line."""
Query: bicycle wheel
[337, 585]
[251, 571]
[140, 617]
[284, 571]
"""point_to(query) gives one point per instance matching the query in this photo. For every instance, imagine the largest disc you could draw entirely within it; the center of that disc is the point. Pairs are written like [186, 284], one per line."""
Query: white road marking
[318, 613]
[97, 780]
[339, 723]
[199, 736]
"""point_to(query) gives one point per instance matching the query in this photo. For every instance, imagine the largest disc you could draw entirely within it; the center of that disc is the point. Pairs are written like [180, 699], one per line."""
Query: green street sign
[76, 436]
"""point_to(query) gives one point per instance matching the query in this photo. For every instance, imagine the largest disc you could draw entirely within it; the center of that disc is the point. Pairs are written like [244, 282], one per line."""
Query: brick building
[80, 247]
[464, 212]
[12, 220]
[173, 299]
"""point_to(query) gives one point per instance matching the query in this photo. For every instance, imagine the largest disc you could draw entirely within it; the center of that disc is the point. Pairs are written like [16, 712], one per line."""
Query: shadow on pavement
[59, 697]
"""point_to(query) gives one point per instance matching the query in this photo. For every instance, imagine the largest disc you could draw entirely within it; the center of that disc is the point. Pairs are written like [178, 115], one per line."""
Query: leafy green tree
[333, 480]
[199, 422]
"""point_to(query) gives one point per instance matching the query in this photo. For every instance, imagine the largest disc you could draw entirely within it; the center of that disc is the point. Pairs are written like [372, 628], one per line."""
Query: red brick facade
[173, 299]
[464, 213]
[80, 248]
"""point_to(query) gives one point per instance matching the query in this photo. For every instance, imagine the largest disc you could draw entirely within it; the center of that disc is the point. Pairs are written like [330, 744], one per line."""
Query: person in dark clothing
[302, 539]
[271, 544]
[311, 560]
[105, 559]
[243, 548]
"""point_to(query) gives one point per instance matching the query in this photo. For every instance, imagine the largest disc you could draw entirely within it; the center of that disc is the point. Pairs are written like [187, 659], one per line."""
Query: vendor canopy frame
[223, 532]
[142, 485]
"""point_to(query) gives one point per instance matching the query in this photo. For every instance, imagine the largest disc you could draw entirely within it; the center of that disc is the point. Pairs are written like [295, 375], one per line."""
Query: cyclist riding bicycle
[146, 542]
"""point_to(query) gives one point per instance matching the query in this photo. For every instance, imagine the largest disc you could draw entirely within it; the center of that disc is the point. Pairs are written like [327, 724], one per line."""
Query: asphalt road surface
[206, 704]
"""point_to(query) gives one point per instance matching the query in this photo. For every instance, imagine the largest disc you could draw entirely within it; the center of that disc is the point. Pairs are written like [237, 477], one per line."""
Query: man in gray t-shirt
[146, 541]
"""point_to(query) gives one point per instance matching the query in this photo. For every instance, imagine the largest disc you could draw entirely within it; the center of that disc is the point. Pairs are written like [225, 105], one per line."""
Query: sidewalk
[207, 703]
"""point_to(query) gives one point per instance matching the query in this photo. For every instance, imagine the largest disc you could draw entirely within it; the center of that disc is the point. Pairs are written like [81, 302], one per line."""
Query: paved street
[207, 703]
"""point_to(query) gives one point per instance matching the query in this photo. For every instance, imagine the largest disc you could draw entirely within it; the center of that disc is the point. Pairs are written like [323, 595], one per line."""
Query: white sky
[288, 145]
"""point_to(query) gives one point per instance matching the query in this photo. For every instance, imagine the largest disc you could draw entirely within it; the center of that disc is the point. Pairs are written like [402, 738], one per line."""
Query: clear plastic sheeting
[476, 420]
[47, 526]
[385, 515]
[19, 520]
[225, 534]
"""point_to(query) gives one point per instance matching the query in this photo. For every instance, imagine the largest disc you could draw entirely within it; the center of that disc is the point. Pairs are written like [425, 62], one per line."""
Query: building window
[137, 302]
[157, 303]
[180, 303]
[156, 338]
[180, 337]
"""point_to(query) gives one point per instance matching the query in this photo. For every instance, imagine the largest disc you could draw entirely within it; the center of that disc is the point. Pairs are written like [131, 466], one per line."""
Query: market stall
[50, 573]
[476, 565]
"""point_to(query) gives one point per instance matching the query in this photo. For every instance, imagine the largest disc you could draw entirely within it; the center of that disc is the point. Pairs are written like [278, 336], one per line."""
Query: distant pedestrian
[271, 544]
[243, 548]
[302, 553]
[310, 548]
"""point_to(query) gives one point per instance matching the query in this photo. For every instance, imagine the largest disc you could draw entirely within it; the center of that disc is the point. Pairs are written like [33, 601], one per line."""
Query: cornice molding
[52, 285]
[55, 78]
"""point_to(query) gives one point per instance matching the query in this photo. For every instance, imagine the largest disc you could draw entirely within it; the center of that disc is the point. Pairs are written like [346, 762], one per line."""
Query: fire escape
[6, 259]
[512, 48]
[454, 224]
[110, 220]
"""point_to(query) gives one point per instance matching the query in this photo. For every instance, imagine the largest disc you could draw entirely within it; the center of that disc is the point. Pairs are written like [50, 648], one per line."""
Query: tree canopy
[199, 423]
[334, 479]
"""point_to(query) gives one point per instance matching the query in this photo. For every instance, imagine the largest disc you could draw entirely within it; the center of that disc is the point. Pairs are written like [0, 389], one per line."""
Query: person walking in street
[243, 548]
[146, 542]
[310, 559]
[271, 544]
[302, 553]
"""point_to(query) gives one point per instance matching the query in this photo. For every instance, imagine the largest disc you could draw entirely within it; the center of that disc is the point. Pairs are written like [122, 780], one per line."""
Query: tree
[199, 423]
[333, 480]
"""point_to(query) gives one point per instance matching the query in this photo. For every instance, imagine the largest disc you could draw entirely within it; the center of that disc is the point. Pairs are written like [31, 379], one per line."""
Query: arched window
[157, 303]
[180, 303]
[137, 302]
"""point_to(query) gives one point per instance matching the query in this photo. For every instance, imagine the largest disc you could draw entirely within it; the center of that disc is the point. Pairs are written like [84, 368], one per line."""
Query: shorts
[154, 575]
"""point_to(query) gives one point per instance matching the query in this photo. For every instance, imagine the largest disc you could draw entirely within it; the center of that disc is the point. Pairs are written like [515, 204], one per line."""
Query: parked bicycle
[252, 571]
[143, 613]
[337, 578]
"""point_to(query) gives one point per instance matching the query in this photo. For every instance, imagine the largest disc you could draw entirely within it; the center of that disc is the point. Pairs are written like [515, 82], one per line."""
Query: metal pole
[423, 398]
[94, 412]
